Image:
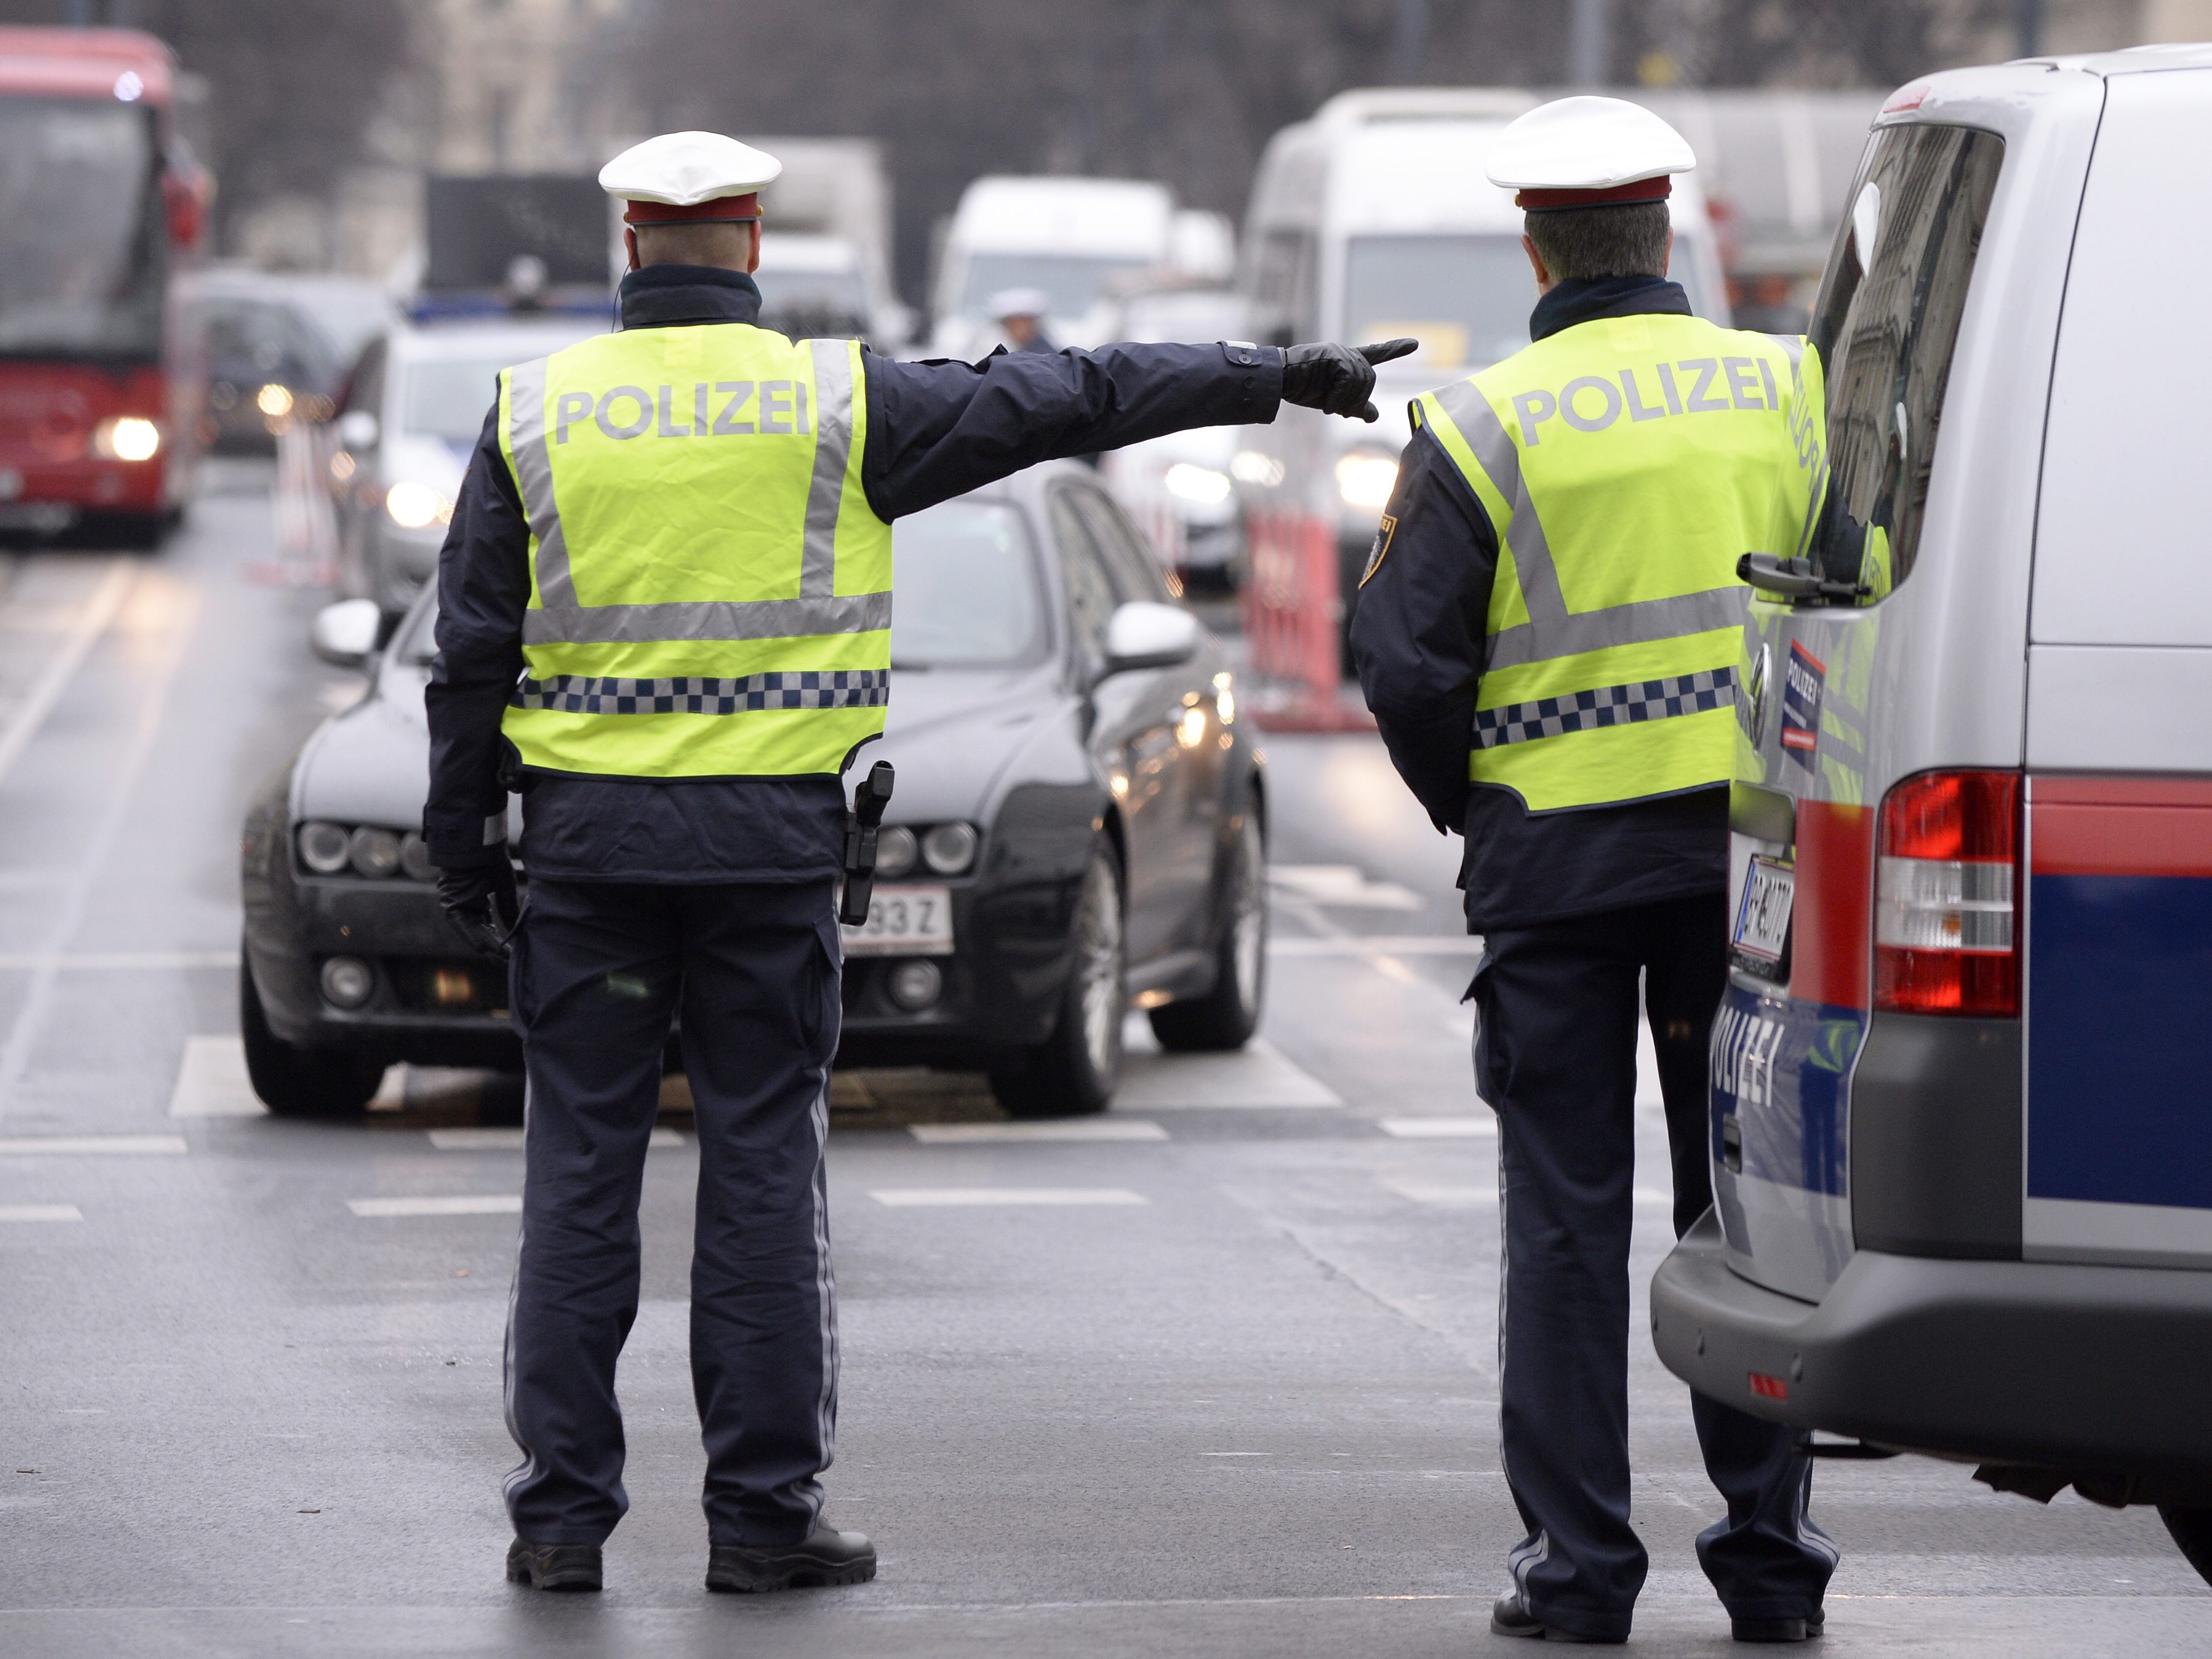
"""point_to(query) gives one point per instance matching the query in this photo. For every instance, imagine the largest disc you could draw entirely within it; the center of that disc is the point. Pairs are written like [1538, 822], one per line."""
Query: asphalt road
[1230, 1389]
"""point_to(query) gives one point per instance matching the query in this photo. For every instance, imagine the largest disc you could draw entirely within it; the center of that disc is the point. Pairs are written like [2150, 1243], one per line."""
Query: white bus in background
[1078, 241]
[1374, 219]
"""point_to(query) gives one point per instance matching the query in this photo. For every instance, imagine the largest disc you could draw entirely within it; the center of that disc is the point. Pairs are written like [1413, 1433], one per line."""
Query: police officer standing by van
[1548, 632]
[664, 617]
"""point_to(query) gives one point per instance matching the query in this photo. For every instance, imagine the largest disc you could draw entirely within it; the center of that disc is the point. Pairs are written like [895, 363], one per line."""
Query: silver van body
[1962, 1075]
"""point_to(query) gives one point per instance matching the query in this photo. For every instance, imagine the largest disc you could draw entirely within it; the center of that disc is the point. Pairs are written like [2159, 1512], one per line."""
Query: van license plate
[1762, 921]
[904, 921]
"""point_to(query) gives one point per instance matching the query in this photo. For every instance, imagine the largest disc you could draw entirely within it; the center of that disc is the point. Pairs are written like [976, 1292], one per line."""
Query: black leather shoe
[827, 1557]
[553, 1566]
[1778, 1629]
[1510, 1616]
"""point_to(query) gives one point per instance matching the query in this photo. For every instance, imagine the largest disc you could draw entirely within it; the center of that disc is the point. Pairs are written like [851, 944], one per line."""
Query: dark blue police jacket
[935, 430]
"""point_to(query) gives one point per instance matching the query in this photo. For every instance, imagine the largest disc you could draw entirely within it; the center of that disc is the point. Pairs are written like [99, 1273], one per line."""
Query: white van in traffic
[1374, 219]
[1070, 238]
[1962, 1074]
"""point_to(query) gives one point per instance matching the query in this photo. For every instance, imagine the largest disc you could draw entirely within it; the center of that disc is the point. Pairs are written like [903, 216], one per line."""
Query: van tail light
[1946, 925]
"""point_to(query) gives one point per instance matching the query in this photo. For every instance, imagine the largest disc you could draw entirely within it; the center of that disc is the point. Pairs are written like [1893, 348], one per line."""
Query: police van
[1374, 219]
[1962, 1075]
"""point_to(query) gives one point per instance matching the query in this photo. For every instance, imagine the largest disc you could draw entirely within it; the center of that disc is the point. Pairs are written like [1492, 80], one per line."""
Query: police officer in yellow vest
[1548, 631]
[664, 614]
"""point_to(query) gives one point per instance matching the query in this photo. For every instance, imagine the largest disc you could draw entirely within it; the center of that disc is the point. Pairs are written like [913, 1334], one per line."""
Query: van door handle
[1794, 579]
[1732, 1145]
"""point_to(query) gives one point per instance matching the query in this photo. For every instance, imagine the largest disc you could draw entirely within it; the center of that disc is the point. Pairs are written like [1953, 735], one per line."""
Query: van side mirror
[345, 635]
[1145, 635]
[358, 430]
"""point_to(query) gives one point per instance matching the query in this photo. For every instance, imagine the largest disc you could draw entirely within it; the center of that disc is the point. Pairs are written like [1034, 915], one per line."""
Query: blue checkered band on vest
[1611, 705]
[584, 694]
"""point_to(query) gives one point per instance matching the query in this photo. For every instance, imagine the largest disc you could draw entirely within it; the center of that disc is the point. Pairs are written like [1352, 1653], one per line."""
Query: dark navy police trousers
[599, 969]
[1555, 1057]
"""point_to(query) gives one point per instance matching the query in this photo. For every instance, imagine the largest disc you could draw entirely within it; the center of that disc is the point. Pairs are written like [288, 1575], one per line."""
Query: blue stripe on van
[2119, 1039]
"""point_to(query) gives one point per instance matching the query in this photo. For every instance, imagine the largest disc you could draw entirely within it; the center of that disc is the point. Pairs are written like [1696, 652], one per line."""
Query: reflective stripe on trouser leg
[761, 1018]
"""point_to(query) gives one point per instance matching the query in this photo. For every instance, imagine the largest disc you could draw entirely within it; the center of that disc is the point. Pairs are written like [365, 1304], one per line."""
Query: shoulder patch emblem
[1382, 546]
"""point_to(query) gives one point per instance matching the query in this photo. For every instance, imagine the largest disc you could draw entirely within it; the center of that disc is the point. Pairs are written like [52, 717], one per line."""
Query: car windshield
[1072, 282]
[83, 254]
[447, 397]
[1466, 298]
[964, 577]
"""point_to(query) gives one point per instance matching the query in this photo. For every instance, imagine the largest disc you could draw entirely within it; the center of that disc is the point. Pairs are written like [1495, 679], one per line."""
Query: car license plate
[904, 921]
[1762, 920]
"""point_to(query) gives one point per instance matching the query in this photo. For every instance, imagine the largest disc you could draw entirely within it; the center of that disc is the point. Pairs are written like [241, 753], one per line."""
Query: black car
[1079, 827]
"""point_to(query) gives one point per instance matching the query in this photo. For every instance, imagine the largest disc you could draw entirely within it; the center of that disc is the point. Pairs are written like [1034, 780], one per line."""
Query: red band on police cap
[1642, 189]
[722, 208]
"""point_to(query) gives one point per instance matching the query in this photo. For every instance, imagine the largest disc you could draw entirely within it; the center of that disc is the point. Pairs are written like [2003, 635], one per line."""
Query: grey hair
[1627, 241]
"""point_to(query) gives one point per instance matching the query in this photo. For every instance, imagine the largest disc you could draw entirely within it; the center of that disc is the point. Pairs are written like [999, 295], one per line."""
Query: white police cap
[699, 175]
[1018, 303]
[1589, 152]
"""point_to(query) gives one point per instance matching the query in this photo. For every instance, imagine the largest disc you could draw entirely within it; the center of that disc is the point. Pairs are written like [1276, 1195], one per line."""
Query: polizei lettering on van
[713, 409]
[1694, 385]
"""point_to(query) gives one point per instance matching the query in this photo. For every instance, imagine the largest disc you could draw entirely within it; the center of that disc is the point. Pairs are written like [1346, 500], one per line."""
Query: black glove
[480, 901]
[1337, 380]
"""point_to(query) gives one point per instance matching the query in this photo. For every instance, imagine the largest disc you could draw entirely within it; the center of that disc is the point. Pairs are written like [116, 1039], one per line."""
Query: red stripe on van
[1831, 940]
[2120, 826]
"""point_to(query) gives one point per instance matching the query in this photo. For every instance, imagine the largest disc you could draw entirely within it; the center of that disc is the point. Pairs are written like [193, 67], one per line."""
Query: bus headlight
[1366, 480]
[417, 506]
[126, 438]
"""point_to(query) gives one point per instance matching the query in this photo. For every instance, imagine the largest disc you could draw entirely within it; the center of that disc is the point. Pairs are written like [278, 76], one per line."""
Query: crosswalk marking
[1440, 1128]
[1256, 1076]
[40, 1212]
[451, 1204]
[1449, 1197]
[971, 1134]
[90, 1146]
[211, 1081]
[901, 1197]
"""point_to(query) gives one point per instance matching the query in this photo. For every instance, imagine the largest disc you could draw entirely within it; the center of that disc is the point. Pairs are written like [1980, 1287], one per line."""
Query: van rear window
[1883, 329]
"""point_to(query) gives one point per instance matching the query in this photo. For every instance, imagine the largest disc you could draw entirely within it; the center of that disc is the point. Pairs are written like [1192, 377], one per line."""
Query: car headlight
[415, 857]
[895, 850]
[274, 400]
[324, 848]
[1202, 485]
[417, 505]
[948, 848]
[126, 438]
[375, 853]
[1254, 467]
[1366, 480]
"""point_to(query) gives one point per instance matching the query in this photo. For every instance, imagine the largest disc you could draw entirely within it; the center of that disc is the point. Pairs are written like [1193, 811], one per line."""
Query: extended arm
[1417, 636]
[484, 588]
[939, 429]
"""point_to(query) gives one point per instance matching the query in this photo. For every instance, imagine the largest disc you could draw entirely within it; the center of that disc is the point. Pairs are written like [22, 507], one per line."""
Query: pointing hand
[1337, 380]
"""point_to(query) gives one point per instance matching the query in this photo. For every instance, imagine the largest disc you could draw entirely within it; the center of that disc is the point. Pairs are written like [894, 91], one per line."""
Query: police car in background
[1962, 1077]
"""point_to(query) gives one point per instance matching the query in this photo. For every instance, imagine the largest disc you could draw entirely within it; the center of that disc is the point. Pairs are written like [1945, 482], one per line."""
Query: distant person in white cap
[1020, 315]
[665, 610]
[1548, 631]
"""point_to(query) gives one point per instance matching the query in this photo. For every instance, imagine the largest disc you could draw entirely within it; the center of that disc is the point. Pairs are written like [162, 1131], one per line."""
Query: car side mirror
[345, 635]
[1145, 634]
[358, 430]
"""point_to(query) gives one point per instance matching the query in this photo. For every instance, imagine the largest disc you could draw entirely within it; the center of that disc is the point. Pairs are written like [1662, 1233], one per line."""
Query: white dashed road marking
[510, 1140]
[40, 1212]
[958, 1197]
[211, 1081]
[1440, 1128]
[454, 1204]
[971, 1134]
[89, 1145]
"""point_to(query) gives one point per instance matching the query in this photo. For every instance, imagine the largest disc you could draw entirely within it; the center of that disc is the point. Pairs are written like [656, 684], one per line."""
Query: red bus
[100, 200]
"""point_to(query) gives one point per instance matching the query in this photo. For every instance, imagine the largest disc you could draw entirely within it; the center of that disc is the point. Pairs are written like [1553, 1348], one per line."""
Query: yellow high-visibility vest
[709, 589]
[1625, 463]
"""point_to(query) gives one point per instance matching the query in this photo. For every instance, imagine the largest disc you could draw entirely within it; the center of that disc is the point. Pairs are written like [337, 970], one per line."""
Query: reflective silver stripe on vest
[1609, 705]
[533, 476]
[1552, 629]
[707, 619]
[833, 448]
